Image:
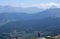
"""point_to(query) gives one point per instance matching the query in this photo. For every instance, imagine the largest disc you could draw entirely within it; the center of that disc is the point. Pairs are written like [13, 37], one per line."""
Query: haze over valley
[45, 21]
[29, 19]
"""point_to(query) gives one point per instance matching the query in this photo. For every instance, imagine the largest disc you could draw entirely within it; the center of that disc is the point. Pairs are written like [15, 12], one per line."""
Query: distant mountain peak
[53, 6]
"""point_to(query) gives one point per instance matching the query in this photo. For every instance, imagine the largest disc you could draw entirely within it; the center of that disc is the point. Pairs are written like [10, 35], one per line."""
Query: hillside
[44, 25]
[46, 21]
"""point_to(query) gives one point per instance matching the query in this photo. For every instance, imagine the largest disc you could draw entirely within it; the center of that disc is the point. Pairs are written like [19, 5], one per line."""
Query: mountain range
[10, 9]
[44, 21]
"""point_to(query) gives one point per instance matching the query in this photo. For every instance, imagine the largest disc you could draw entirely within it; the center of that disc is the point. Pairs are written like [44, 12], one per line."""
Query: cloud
[40, 5]
[17, 4]
[47, 5]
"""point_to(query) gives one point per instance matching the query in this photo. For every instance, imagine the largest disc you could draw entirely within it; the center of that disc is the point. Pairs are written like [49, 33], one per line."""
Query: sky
[31, 3]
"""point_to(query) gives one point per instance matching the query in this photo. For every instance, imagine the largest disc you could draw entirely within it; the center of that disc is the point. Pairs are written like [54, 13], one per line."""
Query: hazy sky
[30, 3]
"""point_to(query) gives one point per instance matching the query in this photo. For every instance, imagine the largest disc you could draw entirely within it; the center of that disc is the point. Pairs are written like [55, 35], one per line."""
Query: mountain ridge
[48, 20]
